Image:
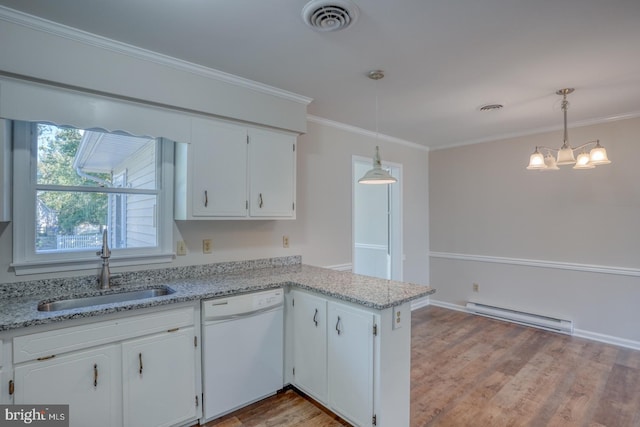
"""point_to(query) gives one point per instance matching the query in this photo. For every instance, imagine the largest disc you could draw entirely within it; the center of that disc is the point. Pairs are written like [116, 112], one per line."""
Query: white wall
[46, 52]
[563, 243]
[322, 232]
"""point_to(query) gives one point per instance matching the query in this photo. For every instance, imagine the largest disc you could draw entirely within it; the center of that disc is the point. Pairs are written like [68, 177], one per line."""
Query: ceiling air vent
[329, 15]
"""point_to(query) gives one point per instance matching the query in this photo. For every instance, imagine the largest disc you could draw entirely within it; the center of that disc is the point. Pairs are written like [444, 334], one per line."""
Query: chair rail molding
[558, 265]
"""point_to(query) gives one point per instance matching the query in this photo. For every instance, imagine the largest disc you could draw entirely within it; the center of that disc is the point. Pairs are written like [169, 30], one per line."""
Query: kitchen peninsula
[26, 332]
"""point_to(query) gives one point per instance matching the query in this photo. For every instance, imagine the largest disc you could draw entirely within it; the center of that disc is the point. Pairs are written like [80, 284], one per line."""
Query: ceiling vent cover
[329, 15]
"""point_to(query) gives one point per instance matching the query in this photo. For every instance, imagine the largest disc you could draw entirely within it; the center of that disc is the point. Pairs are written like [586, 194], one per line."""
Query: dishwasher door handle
[243, 314]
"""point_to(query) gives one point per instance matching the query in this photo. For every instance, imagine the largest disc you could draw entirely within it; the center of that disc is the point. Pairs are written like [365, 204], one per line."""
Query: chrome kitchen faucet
[105, 253]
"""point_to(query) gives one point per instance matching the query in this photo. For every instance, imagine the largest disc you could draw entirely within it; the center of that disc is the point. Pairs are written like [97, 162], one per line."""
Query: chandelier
[565, 155]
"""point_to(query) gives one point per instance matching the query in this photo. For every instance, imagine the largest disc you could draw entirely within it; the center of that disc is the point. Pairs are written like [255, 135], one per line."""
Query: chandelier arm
[547, 148]
[595, 141]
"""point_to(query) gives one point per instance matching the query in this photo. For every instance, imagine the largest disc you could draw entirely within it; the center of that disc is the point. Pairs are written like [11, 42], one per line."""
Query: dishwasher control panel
[238, 305]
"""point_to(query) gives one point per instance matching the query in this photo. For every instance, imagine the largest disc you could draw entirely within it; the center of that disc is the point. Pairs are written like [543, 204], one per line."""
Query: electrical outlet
[181, 248]
[285, 241]
[476, 287]
[207, 247]
[397, 318]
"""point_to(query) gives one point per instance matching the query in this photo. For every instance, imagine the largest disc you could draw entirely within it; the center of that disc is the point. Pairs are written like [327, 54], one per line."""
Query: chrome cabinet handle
[140, 362]
[206, 199]
[338, 326]
[95, 375]
[315, 318]
[260, 203]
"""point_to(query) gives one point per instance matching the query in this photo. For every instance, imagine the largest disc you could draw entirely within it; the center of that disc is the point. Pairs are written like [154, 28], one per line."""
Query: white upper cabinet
[5, 170]
[219, 165]
[272, 162]
[231, 171]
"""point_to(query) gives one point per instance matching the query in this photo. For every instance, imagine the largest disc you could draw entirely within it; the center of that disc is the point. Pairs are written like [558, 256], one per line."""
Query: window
[71, 184]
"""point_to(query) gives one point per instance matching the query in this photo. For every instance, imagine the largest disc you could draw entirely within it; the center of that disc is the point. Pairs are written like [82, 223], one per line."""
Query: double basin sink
[111, 298]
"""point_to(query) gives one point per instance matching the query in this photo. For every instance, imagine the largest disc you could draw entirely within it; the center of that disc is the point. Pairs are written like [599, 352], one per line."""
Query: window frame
[25, 258]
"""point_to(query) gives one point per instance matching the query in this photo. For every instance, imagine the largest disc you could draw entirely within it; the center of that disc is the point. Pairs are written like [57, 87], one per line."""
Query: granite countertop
[18, 307]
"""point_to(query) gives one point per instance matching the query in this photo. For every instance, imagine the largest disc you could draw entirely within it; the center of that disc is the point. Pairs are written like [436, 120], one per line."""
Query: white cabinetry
[272, 172]
[5, 170]
[310, 344]
[6, 379]
[350, 362]
[354, 361]
[88, 381]
[218, 156]
[158, 379]
[231, 171]
[129, 371]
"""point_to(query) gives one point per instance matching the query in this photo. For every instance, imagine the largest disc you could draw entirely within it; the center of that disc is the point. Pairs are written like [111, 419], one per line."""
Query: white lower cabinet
[354, 360]
[350, 363]
[158, 379]
[88, 381]
[333, 355]
[310, 344]
[131, 371]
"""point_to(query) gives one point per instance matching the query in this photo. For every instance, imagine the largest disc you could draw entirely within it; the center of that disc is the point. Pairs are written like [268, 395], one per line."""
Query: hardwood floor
[473, 371]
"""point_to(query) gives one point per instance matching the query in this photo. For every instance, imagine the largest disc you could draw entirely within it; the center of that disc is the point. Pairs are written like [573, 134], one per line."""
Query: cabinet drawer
[43, 344]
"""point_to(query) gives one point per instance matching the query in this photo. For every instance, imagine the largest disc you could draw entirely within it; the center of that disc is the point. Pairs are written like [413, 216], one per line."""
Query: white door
[88, 381]
[159, 379]
[350, 362]
[376, 225]
[310, 344]
[272, 174]
[218, 154]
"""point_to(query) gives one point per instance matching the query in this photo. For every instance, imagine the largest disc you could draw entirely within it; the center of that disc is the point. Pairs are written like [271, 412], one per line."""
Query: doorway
[377, 223]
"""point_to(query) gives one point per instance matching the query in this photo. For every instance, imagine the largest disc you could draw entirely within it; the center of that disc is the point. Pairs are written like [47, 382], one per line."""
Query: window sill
[40, 267]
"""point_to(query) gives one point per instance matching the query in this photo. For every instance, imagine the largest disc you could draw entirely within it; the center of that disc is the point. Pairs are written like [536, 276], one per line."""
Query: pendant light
[565, 154]
[377, 175]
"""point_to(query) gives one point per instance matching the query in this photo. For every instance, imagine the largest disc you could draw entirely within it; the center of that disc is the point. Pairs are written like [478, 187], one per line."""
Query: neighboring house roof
[101, 152]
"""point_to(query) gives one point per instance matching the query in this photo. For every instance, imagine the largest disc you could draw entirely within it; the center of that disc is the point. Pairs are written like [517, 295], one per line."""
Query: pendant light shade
[565, 156]
[536, 161]
[598, 155]
[377, 175]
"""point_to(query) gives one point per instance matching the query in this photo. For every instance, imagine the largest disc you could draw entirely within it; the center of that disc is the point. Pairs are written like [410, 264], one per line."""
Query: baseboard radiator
[529, 319]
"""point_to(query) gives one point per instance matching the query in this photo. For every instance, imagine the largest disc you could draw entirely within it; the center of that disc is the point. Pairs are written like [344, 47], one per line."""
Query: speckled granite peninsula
[19, 301]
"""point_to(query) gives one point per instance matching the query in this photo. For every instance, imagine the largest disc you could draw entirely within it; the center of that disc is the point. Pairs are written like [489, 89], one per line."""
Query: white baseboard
[420, 302]
[340, 267]
[593, 336]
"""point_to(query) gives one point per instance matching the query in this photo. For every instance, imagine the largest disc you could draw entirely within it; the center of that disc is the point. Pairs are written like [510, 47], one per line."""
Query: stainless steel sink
[88, 301]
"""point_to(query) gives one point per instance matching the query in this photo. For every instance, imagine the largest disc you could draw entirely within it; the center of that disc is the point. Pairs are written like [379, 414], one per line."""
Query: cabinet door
[88, 381]
[218, 155]
[272, 162]
[350, 362]
[159, 379]
[310, 344]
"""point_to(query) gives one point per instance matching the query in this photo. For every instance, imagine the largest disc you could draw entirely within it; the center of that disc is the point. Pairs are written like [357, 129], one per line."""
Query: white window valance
[33, 102]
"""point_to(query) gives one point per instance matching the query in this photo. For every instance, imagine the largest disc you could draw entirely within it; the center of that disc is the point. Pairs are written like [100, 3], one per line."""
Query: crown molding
[360, 131]
[81, 36]
[537, 131]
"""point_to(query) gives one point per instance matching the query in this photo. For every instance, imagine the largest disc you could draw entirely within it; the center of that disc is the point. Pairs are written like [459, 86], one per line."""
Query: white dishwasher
[242, 350]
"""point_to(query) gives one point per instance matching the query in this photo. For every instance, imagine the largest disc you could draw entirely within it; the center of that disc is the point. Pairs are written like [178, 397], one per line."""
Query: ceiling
[443, 59]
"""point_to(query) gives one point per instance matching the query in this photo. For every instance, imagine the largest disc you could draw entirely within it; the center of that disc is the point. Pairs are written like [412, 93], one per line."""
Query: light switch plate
[207, 246]
[181, 248]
